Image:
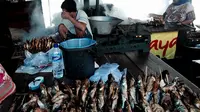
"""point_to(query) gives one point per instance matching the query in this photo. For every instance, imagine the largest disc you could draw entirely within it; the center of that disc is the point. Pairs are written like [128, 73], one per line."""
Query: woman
[179, 16]
[180, 12]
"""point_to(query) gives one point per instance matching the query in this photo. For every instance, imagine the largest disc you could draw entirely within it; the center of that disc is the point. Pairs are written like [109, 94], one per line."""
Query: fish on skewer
[145, 77]
[63, 107]
[61, 96]
[78, 109]
[44, 93]
[72, 110]
[59, 93]
[55, 88]
[197, 103]
[187, 97]
[127, 107]
[162, 82]
[156, 91]
[100, 95]
[132, 93]
[109, 86]
[123, 89]
[115, 98]
[71, 104]
[170, 87]
[165, 75]
[140, 93]
[110, 97]
[49, 91]
[83, 92]
[150, 81]
[68, 91]
[146, 106]
[30, 103]
[78, 86]
[33, 102]
[119, 103]
[179, 106]
[166, 102]
[92, 91]
[157, 108]
[190, 107]
[92, 107]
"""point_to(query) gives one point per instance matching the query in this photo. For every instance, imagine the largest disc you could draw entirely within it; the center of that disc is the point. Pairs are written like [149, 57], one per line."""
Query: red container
[2, 73]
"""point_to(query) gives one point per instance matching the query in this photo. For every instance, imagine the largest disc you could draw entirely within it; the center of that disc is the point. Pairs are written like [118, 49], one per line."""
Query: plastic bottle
[57, 64]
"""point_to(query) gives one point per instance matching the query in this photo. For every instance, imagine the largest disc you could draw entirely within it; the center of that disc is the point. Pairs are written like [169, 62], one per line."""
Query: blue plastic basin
[77, 43]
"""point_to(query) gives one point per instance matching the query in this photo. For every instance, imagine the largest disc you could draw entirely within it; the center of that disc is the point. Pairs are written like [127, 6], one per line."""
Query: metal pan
[103, 25]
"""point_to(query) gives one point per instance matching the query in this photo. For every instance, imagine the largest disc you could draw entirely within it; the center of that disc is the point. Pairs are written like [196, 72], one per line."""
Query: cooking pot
[78, 60]
[103, 25]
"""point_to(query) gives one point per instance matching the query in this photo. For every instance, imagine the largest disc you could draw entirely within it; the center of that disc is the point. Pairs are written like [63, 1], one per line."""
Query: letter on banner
[164, 44]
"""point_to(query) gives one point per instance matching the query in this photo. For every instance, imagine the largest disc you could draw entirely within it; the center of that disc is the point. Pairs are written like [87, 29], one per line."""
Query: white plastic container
[57, 62]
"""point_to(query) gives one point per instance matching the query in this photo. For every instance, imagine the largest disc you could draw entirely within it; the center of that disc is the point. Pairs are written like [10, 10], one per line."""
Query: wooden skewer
[145, 78]
[160, 73]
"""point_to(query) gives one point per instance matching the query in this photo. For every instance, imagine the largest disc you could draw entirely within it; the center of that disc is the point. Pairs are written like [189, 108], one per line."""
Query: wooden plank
[102, 60]
[154, 63]
[124, 62]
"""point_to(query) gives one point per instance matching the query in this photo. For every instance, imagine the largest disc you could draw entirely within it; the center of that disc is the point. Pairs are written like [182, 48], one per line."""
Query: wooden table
[137, 64]
[134, 62]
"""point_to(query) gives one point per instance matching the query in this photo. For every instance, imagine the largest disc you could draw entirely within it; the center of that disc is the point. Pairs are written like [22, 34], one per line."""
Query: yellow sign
[164, 44]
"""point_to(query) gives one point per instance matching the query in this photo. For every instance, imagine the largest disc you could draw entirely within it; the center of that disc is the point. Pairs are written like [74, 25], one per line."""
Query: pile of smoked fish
[150, 93]
[39, 44]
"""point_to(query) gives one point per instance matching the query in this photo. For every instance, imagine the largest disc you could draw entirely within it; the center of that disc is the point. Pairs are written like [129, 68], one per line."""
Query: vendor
[179, 13]
[75, 22]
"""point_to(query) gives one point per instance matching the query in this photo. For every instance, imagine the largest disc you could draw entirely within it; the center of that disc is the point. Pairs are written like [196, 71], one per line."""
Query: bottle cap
[55, 45]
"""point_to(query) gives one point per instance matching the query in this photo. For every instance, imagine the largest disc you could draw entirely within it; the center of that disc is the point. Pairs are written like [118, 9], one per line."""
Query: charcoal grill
[124, 38]
[192, 38]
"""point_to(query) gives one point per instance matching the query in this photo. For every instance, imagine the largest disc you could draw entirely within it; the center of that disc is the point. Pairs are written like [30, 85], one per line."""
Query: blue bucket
[78, 43]
[78, 61]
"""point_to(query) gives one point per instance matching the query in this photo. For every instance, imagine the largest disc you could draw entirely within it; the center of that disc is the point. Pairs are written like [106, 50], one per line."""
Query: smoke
[196, 9]
[43, 18]
[136, 9]
[140, 9]
[37, 24]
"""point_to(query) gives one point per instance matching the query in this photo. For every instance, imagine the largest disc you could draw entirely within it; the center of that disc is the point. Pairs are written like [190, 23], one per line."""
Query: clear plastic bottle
[57, 64]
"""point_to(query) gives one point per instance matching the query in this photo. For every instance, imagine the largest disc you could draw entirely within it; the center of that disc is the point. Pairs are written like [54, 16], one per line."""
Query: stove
[192, 38]
[124, 38]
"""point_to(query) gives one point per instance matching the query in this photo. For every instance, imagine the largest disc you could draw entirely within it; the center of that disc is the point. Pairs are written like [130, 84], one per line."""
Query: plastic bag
[28, 69]
[105, 70]
[34, 63]
[37, 60]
